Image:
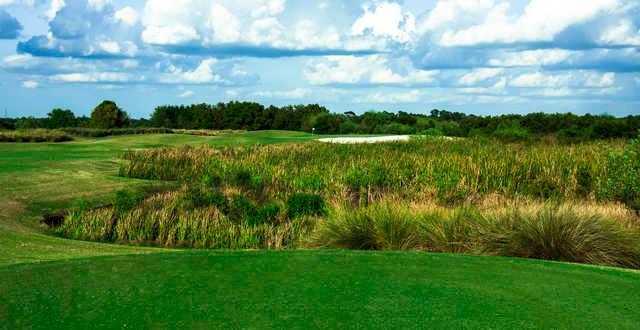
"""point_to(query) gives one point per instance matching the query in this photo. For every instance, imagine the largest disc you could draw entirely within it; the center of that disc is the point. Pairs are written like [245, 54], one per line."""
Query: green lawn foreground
[321, 289]
[48, 282]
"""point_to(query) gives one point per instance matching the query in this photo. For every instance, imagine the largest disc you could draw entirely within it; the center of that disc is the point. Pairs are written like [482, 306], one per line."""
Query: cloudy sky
[473, 56]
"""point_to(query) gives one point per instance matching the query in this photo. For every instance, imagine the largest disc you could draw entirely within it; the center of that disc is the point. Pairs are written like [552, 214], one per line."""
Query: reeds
[452, 171]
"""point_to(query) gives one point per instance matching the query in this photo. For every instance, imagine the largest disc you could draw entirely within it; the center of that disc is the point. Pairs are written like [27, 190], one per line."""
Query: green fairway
[50, 282]
[318, 290]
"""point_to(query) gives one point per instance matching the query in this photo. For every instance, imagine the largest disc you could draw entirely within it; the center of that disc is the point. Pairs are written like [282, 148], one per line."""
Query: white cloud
[541, 21]
[538, 57]
[54, 7]
[94, 77]
[539, 79]
[575, 78]
[30, 84]
[269, 8]
[98, 4]
[202, 74]
[110, 47]
[373, 69]
[624, 33]
[169, 35]
[294, 94]
[224, 26]
[411, 96]
[385, 20]
[600, 80]
[637, 80]
[479, 75]
[251, 22]
[447, 13]
[127, 15]
[186, 94]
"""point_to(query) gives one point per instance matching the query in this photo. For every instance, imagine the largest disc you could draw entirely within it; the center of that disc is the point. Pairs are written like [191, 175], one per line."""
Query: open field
[49, 280]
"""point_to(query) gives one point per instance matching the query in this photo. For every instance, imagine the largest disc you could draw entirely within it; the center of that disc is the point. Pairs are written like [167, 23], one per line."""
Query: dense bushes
[34, 135]
[623, 175]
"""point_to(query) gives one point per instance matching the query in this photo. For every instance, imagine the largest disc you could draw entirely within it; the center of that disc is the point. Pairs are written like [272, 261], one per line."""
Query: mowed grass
[294, 289]
[110, 286]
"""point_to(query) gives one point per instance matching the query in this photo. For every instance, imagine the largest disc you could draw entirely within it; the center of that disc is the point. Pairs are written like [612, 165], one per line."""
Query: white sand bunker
[377, 139]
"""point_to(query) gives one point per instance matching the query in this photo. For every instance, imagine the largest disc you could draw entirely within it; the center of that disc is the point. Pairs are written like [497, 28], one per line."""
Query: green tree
[107, 115]
[59, 118]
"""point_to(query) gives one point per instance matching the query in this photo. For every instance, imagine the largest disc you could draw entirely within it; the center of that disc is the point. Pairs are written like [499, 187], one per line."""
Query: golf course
[48, 281]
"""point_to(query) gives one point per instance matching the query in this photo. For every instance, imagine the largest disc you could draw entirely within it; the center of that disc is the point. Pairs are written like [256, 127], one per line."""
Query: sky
[483, 56]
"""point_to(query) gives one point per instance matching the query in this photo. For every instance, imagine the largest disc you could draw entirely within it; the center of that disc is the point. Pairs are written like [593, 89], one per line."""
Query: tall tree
[59, 118]
[107, 115]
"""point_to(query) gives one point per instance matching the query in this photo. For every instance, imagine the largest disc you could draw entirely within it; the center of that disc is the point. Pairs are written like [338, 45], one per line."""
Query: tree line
[318, 119]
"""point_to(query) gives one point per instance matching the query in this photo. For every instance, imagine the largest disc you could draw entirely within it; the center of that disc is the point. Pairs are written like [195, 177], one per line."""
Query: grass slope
[284, 289]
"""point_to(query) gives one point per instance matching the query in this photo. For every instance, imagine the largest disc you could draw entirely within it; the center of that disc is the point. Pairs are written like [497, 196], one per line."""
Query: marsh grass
[171, 219]
[476, 196]
[452, 170]
[542, 231]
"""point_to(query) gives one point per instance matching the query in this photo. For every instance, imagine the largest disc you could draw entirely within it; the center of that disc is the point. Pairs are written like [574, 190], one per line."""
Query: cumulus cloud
[541, 20]
[186, 94]
[385, 19]
[202, 26]
[411, 96]
[92, 29]
[584, 79]
[9, 26]
[373, 69]
[294, 94]
[479, 75]
[96, 77]
[30, 84]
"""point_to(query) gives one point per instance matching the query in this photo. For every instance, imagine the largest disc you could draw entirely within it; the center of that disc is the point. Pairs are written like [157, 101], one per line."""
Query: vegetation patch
[35, 135]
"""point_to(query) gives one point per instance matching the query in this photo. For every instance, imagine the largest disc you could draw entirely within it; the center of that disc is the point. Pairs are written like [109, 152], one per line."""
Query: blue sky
[481, 56]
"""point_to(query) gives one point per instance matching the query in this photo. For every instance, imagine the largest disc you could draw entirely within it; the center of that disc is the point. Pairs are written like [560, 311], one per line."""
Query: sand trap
[377, 139]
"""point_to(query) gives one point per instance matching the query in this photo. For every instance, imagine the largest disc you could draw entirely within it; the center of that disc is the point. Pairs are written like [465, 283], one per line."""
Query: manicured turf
[48, 282]
[316, 289]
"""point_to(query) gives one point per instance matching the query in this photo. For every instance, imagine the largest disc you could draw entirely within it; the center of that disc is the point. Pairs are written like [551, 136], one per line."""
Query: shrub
[242, 208]
[623, 175]
[556, 234]
[125, 200]
[304, 205]
[266, 214]
[433, 132]
[452, 232]
[347, 230]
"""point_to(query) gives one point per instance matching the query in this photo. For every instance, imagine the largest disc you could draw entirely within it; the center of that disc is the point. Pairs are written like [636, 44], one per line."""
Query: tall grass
[168, 220]
[452, 171]
[549, 232]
